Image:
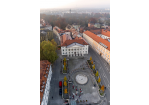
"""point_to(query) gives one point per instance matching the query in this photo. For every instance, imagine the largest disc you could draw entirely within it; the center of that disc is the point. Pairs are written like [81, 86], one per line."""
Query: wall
[82, 50]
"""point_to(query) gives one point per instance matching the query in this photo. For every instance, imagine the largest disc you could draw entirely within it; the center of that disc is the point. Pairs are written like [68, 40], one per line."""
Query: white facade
[47, 88]
[74, 49]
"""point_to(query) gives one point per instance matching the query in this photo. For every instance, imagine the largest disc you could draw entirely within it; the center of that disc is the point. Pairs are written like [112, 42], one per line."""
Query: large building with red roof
[100, 45]
[76, 47]
[45, 78]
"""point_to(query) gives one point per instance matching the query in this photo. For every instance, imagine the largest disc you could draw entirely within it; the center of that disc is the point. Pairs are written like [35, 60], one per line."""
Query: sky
[74, 3]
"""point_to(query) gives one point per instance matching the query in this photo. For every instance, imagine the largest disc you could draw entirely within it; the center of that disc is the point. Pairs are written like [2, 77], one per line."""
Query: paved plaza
[75, 64]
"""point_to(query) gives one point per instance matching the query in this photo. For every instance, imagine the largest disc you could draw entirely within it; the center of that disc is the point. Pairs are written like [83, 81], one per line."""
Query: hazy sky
[74, 3]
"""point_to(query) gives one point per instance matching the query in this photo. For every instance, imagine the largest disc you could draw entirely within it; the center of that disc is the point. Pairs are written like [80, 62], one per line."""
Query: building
[90, 24]
[48, 27]
[45, 78]
[69, 27]
[76, 26]
[106, 32]
[64, 38]
[58, 31]
[97, 25]
[46, 35]
[101, 46]
[74, 48]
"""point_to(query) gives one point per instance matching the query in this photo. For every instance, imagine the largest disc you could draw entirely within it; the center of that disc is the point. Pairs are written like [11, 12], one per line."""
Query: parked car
[60, 84]
[60, 91]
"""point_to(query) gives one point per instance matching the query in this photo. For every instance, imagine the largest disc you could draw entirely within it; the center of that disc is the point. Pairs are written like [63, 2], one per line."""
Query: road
[103, 69]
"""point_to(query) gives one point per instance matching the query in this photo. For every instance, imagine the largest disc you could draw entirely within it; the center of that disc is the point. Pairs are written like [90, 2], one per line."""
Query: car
[60, 84]
[60, 91]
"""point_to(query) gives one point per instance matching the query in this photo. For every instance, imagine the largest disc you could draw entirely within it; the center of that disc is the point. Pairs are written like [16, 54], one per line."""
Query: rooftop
[44, 69]
[80, 41]
[98, 39]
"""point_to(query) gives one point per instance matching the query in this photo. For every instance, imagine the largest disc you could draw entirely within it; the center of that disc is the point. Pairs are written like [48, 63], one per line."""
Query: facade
[46, 35]
[97, 25]
[58, 31]
[74, 48]
[101, 46]
[45, 78]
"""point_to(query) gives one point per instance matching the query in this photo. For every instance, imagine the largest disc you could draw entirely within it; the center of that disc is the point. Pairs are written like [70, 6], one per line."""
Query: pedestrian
[52, 97]
[105, 88]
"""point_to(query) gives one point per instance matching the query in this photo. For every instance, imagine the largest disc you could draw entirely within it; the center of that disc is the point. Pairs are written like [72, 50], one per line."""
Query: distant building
[45, 78]
[48, 27]
[46, 35]
[90, 24]
[76, 26]
[74, 48]
[69, 27]
[97, 25]
[101, 46]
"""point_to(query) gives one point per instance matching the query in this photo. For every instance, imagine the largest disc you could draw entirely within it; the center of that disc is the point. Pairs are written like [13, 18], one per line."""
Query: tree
[91, 62]
[65, 79]
[99, 80]
[93, 20]
[94, 67]
[64, 67]
[64, 63]
[48, 51]
[102, 88]
[65, 91]
[65, 83]
[97, 74]
[90, 58]
[65, 59]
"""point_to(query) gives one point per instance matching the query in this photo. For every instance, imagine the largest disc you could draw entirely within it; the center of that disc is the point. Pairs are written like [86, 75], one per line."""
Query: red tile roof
[105, 32]
[98, 39]
[80, 41]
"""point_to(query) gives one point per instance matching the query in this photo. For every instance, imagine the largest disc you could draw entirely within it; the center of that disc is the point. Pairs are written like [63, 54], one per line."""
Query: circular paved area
[81, 79]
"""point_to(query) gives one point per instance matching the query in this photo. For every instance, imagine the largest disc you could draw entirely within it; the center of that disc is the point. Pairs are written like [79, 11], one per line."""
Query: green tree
[90, 58]
[65, 59]
[48, 51]
[65, 79]
[64, 67]
[91, 62]
[99, 80]
[94, 66]
[64, 63]
[65, 83]
[97, 74]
